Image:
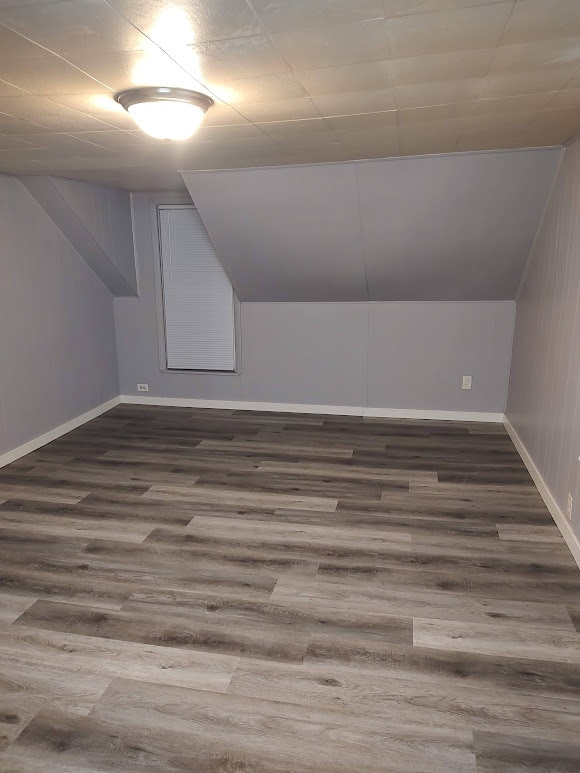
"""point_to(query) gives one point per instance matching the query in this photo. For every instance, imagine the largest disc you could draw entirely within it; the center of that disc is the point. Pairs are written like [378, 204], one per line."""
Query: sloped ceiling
[96, 220]
[451, 227]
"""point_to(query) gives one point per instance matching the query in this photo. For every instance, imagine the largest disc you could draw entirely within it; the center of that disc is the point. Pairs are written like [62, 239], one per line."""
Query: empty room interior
[290, 386]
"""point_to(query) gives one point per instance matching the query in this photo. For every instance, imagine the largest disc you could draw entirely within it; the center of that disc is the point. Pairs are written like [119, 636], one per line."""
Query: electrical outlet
[569, 507]
[142, 387]
[466, 382]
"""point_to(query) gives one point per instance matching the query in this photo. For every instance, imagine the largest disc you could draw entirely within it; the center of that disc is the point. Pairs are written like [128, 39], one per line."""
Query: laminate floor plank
[539, 643]
[218, 495]
[75, 654]
[221, 591]
[170, 730]
[415, 602]
[252, 637]
[408, 700]
[498, 753]
[11, 607]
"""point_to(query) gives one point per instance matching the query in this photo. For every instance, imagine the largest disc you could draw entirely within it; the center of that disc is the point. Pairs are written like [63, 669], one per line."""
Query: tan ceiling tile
[407, 7]
[283, 110]
[133, 179]
[543, 53]
[534, 20]
[61, 143]
[250, 57]
[9, 141]
[365, 143]
[525, 82]
[10, 3]
[49, 76]
[334, 45]
[355, 102]
[222, 115]
[9, 90]
[547, 135]
[569, 98]
[15, 47]
[233, 133]
[48, 114]
[101, 107]
[474, 28]
[114, 140]
[508, 106]
[185, 22]
[308, 127]
[477, 114]
[73, 27]
[10, 125]
[311, 132]
[457, 65]
[284, 16]
[490, 140]
[574, 82]
[427, 138]
[128, 69]
[365, 76]
[440, 93]
[567, 121]
[263, 89]
[363, 122]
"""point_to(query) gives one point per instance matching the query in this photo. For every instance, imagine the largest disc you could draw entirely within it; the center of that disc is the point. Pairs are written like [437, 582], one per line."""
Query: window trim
[183, 201]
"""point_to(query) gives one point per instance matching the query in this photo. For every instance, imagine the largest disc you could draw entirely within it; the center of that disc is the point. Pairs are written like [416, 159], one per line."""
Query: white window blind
[198, 300]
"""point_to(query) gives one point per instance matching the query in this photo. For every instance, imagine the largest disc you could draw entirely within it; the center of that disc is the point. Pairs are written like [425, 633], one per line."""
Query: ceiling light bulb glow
[166, 113]
[167, 120]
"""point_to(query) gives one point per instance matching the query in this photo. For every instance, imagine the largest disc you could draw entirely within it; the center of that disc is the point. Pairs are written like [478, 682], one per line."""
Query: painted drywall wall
[452, 227]
[544, 392]
[97, 222]
[57, 336]
[383, 355]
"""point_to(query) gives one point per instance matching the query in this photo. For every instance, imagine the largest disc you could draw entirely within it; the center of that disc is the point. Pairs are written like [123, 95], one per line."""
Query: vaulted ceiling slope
[450, 228]
[96, 220]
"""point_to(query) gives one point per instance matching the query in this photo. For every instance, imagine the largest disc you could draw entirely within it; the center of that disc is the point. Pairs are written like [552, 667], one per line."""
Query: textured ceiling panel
[316, 80]
[451, 227]
[285, 234]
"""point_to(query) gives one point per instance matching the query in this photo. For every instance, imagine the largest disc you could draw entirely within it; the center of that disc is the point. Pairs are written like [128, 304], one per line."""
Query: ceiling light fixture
[165, 113]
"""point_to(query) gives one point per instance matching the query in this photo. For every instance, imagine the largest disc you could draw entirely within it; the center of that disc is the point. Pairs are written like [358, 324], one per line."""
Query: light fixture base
[131, 97]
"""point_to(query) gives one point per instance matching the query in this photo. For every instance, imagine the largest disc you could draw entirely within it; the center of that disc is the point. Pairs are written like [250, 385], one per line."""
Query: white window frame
[175, 201]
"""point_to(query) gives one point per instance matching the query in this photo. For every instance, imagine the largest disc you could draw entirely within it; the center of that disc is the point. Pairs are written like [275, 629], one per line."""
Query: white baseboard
[186, 402]
[335, 410]
[53, 434]
[557, 514]
[409, 413]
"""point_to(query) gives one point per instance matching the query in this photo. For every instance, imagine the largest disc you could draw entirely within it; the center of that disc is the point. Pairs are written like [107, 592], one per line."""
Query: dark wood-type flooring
[227, 592]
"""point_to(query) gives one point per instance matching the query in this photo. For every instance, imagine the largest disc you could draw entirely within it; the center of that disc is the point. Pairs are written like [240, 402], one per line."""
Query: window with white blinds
[198, 300]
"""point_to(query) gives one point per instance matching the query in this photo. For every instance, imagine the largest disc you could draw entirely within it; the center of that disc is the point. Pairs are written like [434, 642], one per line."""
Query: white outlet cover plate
[466, 382]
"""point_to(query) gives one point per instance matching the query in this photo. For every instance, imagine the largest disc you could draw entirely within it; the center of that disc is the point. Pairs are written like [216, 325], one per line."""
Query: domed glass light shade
[165, 113]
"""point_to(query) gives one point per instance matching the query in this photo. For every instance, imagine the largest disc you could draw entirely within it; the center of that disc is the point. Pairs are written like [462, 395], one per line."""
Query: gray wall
[57, 337]
[544, 393]
[383, 355]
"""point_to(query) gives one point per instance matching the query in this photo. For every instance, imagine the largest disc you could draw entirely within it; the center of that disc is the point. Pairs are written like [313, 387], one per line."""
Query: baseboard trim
[53, 434]
[409, 413]
[555, 511]
[334, 410]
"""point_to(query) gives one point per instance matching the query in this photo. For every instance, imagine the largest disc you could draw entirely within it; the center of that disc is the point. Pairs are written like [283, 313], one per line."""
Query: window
[198, 299]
